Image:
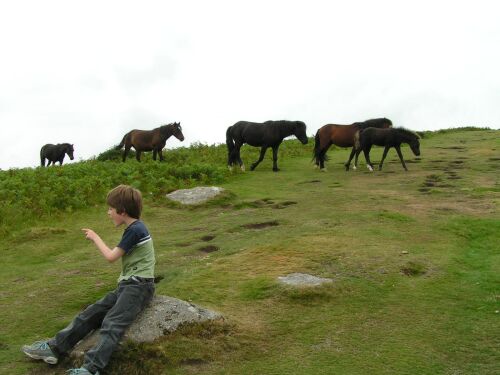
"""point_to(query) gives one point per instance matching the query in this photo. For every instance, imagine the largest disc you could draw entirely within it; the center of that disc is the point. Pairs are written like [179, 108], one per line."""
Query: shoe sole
[49, 360]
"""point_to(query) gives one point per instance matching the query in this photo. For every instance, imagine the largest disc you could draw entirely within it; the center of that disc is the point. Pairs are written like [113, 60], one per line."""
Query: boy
[114, 313]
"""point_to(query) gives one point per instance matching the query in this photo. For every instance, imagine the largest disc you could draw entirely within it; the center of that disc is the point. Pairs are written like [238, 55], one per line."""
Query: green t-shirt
[139, 257]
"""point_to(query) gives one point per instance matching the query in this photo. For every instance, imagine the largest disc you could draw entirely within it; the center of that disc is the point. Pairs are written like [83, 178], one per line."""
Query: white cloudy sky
[87, 72]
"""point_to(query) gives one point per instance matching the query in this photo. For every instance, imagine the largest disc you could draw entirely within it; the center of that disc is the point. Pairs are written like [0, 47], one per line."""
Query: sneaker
[80, 371]
[40, 350]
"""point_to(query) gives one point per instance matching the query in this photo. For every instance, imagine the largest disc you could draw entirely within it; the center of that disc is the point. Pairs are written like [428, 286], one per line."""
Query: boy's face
[118, 219]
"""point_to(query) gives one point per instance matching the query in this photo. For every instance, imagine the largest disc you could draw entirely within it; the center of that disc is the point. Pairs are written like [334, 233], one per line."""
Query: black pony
[392, 137]
[263, 135]
[55, 153]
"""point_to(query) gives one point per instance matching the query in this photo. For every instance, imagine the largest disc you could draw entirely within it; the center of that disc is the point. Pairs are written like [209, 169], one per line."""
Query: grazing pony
[387, 138]
[150, 140]
[263, 135]
[55, 153]
[342, 136]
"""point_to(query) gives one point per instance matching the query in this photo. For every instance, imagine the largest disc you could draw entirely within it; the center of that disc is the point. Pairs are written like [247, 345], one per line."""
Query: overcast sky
[87, 72]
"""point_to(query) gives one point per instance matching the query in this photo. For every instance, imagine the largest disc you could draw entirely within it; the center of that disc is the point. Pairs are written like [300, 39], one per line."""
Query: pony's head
[173, 129]
[69, 150]
[300, 132]
[415, 145]
[177, 131]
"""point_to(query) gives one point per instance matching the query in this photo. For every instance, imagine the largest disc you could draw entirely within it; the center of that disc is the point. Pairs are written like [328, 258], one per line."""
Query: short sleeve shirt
[139, 257]
[135, 234]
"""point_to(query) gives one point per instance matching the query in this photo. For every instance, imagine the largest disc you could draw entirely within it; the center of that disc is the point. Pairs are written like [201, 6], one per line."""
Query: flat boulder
[303, 279]
[195, 195]
[163, 316]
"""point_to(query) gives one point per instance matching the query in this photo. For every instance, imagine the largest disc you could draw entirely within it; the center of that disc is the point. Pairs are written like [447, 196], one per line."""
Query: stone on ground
[195, 195]
[303, 279]
[163, 316]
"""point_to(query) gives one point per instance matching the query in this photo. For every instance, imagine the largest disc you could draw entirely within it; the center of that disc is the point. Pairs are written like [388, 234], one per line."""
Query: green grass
[413, 257]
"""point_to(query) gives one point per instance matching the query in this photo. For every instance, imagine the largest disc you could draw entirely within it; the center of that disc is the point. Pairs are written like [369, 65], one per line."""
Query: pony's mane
[374, 122]
[407, 132]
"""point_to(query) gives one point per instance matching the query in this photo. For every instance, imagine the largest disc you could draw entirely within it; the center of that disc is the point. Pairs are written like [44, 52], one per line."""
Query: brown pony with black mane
[342, 136]
[150, 140]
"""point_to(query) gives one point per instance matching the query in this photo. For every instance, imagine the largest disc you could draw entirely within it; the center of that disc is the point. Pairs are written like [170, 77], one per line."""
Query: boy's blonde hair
[124, 198]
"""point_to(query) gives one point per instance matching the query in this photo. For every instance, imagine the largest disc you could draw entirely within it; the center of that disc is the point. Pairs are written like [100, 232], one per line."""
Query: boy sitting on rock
[114, 313]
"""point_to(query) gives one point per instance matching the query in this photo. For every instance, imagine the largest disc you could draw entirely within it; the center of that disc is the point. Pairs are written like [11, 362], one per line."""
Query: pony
[263, 135]
[388, 138]
[342, 136]
[55, 153]
[150, 140]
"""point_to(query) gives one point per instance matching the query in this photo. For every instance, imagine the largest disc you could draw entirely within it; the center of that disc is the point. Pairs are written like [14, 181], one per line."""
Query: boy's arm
[110, 254]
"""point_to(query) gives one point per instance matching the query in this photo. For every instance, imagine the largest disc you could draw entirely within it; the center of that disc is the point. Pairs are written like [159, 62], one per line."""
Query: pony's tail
[230, 145]
[318, 154]
[42, 157]
[357, 144]
[316, 148]
[122, 143]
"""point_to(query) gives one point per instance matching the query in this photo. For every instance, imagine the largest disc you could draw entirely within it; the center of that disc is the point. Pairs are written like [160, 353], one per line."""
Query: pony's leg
[386, 149]
[237, 156]
[369, 165]
[160, 152]
[138, 155]
[398, 150]
[356, 159]
[275, 158]
[125, 152]
[263, 150]
[348, 163]
[154, 154]
[322, 157]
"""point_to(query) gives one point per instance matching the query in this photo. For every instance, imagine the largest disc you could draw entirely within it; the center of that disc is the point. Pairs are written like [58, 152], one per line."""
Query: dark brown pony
[342, 136]
[388, 138]
[55, 153]
[150, 140]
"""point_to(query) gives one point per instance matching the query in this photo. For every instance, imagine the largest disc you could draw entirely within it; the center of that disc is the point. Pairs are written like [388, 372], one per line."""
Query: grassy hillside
[413, 255]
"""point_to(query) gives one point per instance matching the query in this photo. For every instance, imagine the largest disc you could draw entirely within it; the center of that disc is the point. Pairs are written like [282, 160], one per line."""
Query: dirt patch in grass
[261, 225]
[284, 204]
[208, 249]
[183, 244]
[207, 238]
[413, 269]
[193, 362]
[309, 182]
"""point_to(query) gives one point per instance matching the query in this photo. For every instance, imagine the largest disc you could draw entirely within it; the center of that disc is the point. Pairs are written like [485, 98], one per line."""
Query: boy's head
[124, 198]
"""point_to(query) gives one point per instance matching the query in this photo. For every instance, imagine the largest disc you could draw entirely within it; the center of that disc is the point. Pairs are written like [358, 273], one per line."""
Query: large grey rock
[195, 195]
[303, 279]
[163, 316]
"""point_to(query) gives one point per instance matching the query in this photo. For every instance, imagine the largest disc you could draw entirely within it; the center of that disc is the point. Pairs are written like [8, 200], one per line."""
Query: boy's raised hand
[90, 234]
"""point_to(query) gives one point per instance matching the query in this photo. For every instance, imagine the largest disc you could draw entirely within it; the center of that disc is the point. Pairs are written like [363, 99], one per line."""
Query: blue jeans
[113, 314]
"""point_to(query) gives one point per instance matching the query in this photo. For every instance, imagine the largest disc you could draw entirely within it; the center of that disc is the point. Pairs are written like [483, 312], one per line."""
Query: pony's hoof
[323, 170]
[230, 168]
[354, 168]
[243, 168]
[369, 168]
